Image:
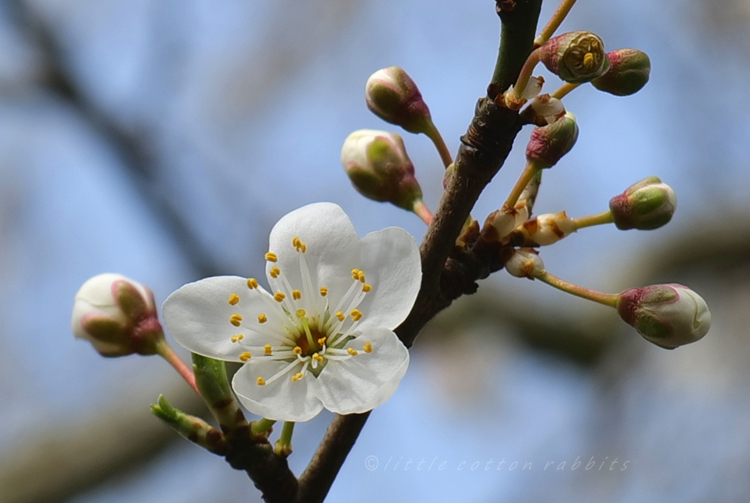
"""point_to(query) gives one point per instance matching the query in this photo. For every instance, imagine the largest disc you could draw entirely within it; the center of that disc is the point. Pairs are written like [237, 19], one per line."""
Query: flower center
[299, 325]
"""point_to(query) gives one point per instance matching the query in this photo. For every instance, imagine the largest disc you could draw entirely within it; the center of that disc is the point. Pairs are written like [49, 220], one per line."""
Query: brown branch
[483, 151]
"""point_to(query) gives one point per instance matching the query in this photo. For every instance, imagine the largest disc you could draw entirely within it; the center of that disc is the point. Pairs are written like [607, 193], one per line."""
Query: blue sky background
[242, 106]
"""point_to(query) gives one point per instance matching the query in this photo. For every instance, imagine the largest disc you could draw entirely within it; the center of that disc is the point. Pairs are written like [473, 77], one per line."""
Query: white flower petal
[282, 399]
[391, 262]
[365, 381]
[197, 315]
[332, 247]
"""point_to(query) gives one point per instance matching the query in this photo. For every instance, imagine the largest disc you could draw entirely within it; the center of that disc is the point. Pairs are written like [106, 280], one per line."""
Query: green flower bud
[525, 263]
[628, 73]
[645, 205]
[380, 169]
[548, 144]
[669, 315]
[575, 57]
[117, 316]
[394, 97]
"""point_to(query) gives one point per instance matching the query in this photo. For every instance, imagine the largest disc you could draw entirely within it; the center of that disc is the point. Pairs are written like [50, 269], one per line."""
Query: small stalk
[607, 299]
[422, 211]
[164, 350]
[526, 71]
[529, 172]
[284, 443]
[602, 218]
[564, 90]
[554, 23]
[432, 132]
[261, 426]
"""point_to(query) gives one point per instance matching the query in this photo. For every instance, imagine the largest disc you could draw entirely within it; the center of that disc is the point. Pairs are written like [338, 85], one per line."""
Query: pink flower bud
[550, 143]
[380, 169]
[628, 73]
[667, 315]
[394, 97]
[575, 57]
[117, 316]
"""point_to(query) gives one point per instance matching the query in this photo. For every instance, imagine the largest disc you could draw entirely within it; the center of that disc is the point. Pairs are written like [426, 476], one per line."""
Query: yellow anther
[356, 314]
[355, 273]
[299, 245]
[260, 381]
[296, 294]
[300, 313]
[234, 299]
[252, 283]
[267, 350]
[588, 59]
[245, 356]
[352, 351]
[318, 358]
[279, 297]
[368, 347]
[297, 350]
[236, 320]
[296, 377]
[366, 287]
[262, 318]
[323, 291]
[271, 257]
[275, 271]
[321, 341]
[237, 338]
[340, 316]
[361, 276]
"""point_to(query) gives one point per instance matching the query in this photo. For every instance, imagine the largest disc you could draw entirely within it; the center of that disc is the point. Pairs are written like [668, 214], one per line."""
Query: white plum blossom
[322, 335]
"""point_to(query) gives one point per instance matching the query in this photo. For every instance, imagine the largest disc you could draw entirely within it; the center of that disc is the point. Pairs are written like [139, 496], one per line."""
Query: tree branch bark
[483, 150]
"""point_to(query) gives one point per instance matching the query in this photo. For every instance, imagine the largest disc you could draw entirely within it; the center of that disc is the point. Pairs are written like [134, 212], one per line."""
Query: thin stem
[554, 23]
[564, 90]
[602, 218]
[423, 212]
[529, 172]
[165, 351]
[608, 299]
[433, 134]
[526, 71]
[261, 426]
[284, 443]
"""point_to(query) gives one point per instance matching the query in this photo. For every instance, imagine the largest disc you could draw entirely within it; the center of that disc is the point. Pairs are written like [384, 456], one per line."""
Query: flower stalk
[602, 218]
[565, 89]
[284, 443]
[554, 23]
[164, 350]
[262, 426]
[606, 299]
